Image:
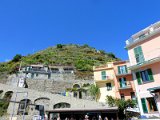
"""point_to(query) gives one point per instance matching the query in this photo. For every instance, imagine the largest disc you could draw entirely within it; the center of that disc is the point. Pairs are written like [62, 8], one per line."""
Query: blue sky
[27, 26]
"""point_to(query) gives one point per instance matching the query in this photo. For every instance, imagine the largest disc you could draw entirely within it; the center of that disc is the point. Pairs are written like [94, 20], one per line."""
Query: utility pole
[25, 104]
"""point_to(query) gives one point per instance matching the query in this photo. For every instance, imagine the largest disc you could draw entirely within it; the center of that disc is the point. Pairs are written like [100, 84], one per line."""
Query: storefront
[79, 114]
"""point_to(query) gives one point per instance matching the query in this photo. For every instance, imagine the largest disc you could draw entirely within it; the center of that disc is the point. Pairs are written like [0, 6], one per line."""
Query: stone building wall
[44, 98]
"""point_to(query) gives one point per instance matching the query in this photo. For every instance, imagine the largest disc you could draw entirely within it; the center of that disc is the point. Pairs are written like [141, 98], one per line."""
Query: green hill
[82, 57]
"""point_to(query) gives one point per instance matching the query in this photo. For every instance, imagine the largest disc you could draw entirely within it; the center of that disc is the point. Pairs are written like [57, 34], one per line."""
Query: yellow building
[104, 79]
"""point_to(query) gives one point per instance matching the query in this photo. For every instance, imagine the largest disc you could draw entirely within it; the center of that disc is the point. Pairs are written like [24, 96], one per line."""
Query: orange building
[114, 79]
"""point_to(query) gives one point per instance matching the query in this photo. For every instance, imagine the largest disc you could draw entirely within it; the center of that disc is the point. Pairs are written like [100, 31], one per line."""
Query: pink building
[144, 55]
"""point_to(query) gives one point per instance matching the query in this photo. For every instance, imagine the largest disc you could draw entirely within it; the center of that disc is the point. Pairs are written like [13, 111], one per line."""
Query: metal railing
[148, 34]
[126, 85]
[107, 77]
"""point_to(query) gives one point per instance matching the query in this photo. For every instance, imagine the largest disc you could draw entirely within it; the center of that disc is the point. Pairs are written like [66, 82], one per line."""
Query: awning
[109, 110]
[154, 89]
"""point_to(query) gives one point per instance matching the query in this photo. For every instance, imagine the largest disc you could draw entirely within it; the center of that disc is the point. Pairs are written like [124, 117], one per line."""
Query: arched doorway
[44, 101]
[77, 93]
[5, 102]
[24, 107]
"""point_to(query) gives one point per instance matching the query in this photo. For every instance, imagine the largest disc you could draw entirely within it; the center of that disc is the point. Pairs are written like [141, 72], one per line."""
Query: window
[138, 54]
[144, 76]
[103, 75]
[122, 69]
[122, 97]
[123, 82]
[142, 36]
[32, 75]
[23, 107]
[54, 70]
[109, 86]
[133, 97]
[149, 105]
[144, 106]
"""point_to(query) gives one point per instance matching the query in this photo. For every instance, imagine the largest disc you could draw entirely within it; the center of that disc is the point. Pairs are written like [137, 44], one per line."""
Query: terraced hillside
[83, 57]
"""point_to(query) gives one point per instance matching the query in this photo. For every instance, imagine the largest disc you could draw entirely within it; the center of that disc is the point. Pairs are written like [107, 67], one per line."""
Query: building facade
[114, 79]
[144, 55]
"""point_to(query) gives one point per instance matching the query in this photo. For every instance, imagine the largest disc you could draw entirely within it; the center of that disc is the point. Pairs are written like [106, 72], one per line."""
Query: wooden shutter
[139, 49]
[150, 75]
[125, 82]
[103, 75]
[119, 71]
[126, 68]
[144, 106]
[138, 52]
[120, 82]
[138, 76]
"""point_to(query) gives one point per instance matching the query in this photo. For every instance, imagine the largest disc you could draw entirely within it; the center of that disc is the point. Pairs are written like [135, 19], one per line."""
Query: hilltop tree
[17, 58]
[59, 45]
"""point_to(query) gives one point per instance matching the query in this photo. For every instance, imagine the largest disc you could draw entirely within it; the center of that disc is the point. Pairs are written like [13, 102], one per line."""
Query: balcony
[41, 71]
[106, 78]
[123, 73]
[150, 57]
[144, 34]
[125, 85]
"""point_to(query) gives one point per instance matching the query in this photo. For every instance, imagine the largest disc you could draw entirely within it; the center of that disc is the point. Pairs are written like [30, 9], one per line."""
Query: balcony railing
[106, 78]
[125, 85]
[140, 38]
[123, 73]
[37, 71]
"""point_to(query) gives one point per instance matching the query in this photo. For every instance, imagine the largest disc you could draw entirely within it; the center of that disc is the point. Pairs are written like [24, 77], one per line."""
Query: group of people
[86, 117]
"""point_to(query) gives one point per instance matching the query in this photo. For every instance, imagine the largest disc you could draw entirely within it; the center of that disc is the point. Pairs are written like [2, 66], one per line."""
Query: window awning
[154, 89]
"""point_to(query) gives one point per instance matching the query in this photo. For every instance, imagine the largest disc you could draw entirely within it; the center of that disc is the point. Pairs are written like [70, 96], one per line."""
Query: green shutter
[103, 75]
[120, 82]
[150, 74]
[144, 105]
[135, 51]
[138, 78]
[125, 81]
[138, 52]
[126, 68]
[119, 71]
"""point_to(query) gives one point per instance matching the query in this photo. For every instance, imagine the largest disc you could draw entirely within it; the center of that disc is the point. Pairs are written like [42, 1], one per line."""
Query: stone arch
[1, 92]
[86, 84]
[77, 93]
[44, 101]
[7, 96]
[24, 107]
[76, 86]
[6, 100]
[62, 105]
